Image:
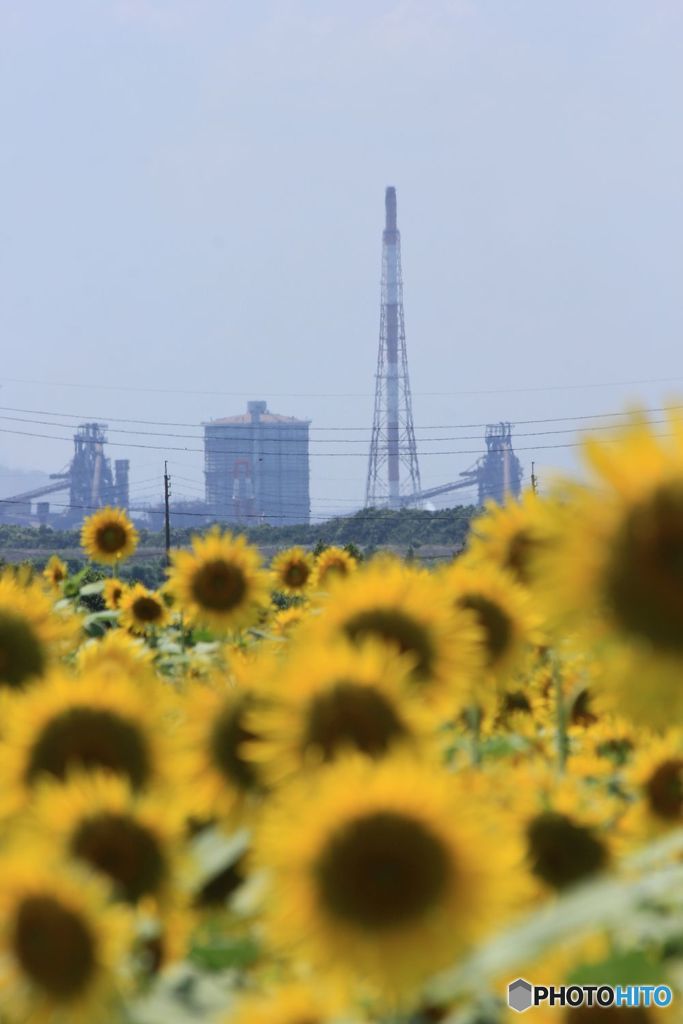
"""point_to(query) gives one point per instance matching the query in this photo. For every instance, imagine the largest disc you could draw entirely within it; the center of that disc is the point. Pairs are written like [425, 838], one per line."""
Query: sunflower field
[336, 791]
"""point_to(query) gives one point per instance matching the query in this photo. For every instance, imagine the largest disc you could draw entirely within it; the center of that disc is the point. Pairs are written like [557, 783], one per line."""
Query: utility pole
[167, 513]
[534, 479]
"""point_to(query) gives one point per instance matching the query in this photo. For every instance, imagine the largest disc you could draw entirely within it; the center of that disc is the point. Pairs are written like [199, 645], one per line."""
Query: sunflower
[293, 1003]
[408, 610]
[502, 609]
[112, 592]
[108, 536]
[330, 564]
[100, 722]
[291, 571]
[285, 621]
[219, 583]
[383, 871]
[142, 610]
[62, 946]
[568, 825]
[215, 729]
[130, 840]
[618, 581]
[656, 778]
[329, 700]
[55, 572]
[510, 536]
[32, 633]
[116, 653]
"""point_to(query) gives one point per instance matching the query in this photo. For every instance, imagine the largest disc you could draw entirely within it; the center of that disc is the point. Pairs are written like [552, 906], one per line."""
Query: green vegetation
[367, 530]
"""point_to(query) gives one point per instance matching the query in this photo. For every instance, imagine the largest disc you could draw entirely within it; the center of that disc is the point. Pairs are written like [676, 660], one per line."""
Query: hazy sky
[192, 203]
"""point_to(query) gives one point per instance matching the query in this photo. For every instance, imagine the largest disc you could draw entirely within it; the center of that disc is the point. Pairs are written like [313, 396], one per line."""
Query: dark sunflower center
[664, 789]
[348, 715]
[90, 738]
[398, 629]
[382, 871]
[562, 852]
[54, 947]
[219, 586]
[296, 574]
[607, 1015]
[228, 735]
[146, 609]
[644, 579]
[494, 622]
[520, 552]
[21, 653]
[111, 537]
[123, 849]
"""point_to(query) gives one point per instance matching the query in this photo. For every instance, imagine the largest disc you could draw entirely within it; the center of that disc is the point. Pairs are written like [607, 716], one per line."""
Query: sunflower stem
[560, 719]
[473, 715]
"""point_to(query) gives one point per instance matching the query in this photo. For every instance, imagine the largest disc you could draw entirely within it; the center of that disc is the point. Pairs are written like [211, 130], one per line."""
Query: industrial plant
[256, 468]
[257, 465]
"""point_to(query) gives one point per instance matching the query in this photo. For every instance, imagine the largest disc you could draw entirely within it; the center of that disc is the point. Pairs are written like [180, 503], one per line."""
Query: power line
[342, 394]
[320, 455]
[80, 418]
[242, 437]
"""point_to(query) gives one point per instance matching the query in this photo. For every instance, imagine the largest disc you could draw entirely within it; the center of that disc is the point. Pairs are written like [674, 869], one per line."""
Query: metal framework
[393, 470]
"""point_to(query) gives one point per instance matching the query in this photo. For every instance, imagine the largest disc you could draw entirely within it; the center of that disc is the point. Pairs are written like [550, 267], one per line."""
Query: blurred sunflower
[293, 1003]
[511, 536]
[116, 653]
[142, 610]
[55, 572]
[619, 579]
[62, 945]
[331, 564]
[656, 778]
[102, 722]
[503, 611]
[408, 610]
[100, 822]
[108, 536]
[285, 621]
[291, 571]
[218, 776]
[219, 583]
[567, 825]
[32, 633]
[329, 700]
[383, 871]
[112, 593]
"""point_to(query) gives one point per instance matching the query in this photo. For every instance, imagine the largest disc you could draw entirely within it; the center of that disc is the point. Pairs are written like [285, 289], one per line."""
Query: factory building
[89, 480]
[256, 468]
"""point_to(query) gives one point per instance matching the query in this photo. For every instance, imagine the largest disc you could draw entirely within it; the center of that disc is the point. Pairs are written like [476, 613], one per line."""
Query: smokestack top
[390, 207]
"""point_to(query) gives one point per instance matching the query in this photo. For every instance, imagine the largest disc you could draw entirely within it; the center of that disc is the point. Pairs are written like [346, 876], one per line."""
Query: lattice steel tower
[393, 471]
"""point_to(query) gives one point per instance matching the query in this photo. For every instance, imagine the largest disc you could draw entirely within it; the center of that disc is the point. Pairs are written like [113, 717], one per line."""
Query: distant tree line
[367, 530]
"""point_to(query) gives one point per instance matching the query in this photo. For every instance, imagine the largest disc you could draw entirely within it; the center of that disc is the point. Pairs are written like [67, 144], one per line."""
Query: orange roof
[264, 417]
